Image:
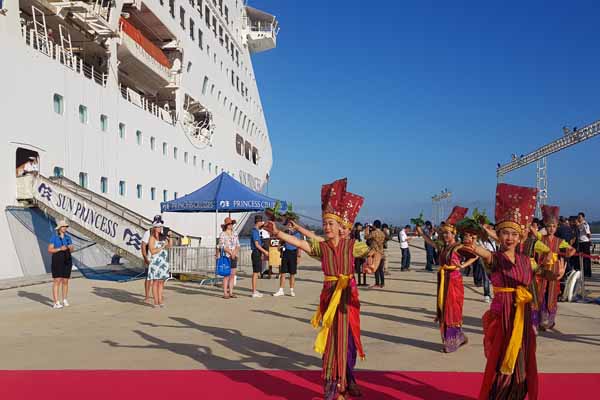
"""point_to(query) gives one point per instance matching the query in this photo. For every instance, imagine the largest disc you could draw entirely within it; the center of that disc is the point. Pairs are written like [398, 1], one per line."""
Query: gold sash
[321, 340]
[522, 297]
[442, 271]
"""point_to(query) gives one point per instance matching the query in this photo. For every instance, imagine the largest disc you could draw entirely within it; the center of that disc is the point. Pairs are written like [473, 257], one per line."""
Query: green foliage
[419, 221]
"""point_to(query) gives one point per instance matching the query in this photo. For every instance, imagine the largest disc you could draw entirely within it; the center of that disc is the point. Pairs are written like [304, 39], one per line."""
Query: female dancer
[451, 293]
[339, 338]
[552, 268]
[509, 338]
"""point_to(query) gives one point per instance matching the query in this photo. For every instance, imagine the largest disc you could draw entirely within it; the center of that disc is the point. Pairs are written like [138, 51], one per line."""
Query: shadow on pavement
[40, 298]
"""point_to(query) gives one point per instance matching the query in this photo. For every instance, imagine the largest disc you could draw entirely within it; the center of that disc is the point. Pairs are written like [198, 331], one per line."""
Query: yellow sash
[321, 340]
[442, 271]
[522, 297]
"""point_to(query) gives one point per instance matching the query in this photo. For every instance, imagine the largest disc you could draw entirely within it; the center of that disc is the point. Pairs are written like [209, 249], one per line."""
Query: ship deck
[107, 327]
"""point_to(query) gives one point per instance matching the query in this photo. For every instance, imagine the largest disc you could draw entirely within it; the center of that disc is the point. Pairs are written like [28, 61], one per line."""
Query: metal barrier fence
[201, 260]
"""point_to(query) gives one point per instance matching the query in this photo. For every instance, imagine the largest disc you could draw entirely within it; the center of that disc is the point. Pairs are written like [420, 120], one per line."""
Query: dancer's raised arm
[271, 227]
[426, 238]
[306, 232]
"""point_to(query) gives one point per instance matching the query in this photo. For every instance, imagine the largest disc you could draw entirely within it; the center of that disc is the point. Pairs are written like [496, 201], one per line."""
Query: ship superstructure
[137, 101]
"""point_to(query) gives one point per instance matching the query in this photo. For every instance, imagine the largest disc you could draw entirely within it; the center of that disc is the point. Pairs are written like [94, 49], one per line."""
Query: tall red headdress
[338, 204]
[457, 214]
[515, 206]
[550, 214]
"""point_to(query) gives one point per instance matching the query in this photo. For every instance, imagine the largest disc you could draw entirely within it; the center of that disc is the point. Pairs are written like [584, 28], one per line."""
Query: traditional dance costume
[509, 338]
[552, 268]
[450, 289]
[339, 307]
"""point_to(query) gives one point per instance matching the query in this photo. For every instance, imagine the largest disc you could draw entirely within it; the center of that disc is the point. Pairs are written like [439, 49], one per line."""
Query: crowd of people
[519, 261]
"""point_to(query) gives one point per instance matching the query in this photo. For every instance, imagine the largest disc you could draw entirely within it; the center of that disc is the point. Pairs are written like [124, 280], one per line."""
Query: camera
[164, 235]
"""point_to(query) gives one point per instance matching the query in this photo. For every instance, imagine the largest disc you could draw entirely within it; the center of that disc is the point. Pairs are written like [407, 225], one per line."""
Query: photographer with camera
[158, 270]
[146, 257]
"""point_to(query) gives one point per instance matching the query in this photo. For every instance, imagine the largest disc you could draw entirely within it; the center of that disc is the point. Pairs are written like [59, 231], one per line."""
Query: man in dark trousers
[257, 252]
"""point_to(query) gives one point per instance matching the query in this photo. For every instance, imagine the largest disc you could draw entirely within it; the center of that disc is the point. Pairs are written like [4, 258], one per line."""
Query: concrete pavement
[108, 327]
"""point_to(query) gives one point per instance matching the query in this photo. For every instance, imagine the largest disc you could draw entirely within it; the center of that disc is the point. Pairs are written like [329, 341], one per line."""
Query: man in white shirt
[146, 257]
[404, 239]
[584, 235]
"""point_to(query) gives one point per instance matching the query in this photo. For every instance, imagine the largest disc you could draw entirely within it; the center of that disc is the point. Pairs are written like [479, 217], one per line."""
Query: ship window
[103, 123]
[247, 147]
[207, 16]
[139, 191]
[202, 165]
[204, 85]
[138, 137]
[239, 143]
[192, 29]
[235, 114]
[226, 14]
[212, 89]
[175, 195]
[165, 147]
[221, 35]
[216, 169]
[219, 96]
[195, 161]
[232, 78]
[237, 57]
[122, 188]
[200, 44]
[165, 194]
[152, 143]
[58, 172]
[209, 167]
[182, 17]
[185, 157]
[237, 83]
[214, 26]
[83, 114]
[244, 123]
[172, 8]
[83, 179]
[153, 193]
[175, 151]
[104, 185]
[59, 104]
[122, 130]
[255, 155]
[225, 101]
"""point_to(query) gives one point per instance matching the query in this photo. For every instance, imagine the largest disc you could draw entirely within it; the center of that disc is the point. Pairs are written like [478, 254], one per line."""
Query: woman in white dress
[158, 270]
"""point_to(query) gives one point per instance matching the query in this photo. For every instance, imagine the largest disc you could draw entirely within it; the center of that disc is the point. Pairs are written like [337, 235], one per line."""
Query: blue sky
[407, 98]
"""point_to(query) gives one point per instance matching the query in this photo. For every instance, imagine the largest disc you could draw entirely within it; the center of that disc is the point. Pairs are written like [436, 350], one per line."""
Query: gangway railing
[102, 220]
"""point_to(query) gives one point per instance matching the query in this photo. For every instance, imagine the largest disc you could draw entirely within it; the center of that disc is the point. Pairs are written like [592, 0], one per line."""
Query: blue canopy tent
[222, 194]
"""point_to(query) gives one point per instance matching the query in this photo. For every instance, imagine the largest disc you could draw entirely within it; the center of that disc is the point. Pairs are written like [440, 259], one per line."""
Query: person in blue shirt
[257, 252]
[289, 261]
[61, 247]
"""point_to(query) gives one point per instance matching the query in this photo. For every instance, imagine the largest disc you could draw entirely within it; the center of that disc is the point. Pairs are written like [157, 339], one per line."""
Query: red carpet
[258, 384]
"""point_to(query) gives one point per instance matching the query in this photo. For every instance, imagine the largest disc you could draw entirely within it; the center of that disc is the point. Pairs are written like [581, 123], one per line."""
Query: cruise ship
[137, 101]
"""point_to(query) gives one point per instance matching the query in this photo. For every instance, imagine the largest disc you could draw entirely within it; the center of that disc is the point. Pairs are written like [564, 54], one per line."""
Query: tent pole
[216, 240]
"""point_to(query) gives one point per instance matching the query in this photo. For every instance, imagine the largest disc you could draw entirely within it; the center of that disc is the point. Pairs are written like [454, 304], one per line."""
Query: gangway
[107, 223]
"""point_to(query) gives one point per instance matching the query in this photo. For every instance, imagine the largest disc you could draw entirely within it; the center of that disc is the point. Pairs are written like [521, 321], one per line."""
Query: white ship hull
[30, 79]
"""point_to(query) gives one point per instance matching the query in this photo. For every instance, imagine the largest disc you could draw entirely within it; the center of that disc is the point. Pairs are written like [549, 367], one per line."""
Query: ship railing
[202, 260]
[56, 52]
[147, 105]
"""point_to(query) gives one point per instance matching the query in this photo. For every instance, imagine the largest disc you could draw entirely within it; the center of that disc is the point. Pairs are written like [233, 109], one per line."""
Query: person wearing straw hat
[61, 247]
[158, 270]
[230, 244]
[146, 256]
